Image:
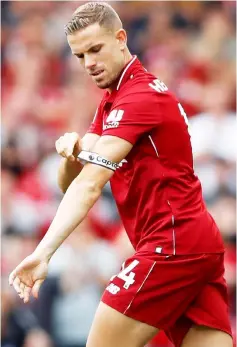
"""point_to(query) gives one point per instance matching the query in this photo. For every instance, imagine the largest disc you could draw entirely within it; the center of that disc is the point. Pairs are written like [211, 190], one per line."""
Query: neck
[127, 58]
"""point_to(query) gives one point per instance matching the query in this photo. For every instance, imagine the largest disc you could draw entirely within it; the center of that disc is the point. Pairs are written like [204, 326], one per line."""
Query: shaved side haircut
[91, 13]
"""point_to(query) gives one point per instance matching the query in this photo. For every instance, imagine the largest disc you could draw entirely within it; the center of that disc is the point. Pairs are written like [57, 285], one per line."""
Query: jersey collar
[128, 71]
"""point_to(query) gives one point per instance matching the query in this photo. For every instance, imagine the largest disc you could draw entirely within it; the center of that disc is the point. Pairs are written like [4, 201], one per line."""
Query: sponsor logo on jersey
[110, 125]
[113, 289]
[113, 119]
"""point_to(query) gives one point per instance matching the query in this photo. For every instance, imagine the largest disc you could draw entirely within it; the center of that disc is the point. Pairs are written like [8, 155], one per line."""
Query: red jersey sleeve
[131, 119]
[96, 125]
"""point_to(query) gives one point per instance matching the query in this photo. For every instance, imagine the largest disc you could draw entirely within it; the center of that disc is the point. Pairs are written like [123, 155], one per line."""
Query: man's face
[100, 52]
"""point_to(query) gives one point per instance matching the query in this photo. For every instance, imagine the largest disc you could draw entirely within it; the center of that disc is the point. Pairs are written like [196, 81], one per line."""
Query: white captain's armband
[94, 158]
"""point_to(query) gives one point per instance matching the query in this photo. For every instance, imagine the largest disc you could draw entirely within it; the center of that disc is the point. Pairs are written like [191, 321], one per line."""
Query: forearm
[76, 203]
[67, 172]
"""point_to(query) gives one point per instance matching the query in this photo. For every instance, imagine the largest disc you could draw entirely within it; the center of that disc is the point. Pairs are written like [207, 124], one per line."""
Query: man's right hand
[28, 276]
[69, 146]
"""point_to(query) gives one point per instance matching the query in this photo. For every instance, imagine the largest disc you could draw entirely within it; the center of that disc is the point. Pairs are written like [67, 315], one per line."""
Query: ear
[121, 37]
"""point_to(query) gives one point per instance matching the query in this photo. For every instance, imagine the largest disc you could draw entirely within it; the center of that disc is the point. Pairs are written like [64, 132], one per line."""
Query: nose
[89, 62]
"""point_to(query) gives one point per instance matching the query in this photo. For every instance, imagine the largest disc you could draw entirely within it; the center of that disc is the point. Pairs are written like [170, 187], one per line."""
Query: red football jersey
[158, 195]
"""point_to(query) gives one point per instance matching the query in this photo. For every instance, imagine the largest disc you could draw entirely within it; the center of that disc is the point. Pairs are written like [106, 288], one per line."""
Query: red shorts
[172, 293]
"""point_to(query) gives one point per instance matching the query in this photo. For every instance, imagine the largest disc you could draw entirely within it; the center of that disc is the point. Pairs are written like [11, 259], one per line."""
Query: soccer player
[139, 141]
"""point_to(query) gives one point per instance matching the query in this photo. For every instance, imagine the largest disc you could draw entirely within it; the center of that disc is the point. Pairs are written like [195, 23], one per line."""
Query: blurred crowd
[45, 93]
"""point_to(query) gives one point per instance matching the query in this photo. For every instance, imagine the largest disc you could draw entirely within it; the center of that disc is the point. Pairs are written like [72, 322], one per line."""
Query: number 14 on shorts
[126, 274]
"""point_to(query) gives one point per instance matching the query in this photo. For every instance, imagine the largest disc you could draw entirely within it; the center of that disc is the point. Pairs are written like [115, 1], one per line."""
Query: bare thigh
[111, 328]
[201, 336]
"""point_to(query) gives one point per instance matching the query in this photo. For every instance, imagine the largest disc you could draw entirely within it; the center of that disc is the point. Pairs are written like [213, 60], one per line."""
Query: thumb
[77, 148]
[36, 288]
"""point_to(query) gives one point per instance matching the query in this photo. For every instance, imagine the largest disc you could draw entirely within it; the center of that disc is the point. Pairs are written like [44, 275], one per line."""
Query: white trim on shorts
[140, 287]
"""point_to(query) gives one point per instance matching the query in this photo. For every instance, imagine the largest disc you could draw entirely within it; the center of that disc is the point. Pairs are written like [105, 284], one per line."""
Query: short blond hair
[91, 13]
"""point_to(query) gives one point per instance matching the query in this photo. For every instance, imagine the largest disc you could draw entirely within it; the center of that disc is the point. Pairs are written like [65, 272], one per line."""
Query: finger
[61, 149]
[73, 139]
[58, 144]
[65, 145]
[67, 153]
[70, 147]
[71, 157]
[16, 285]
[77, 147]
[27, 291]
[36, 288]
[12, 277]
[63, 154]
[22, 287]
[61, 146]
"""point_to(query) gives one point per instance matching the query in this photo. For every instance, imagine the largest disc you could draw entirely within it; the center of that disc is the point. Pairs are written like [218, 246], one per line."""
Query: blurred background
[188, 45]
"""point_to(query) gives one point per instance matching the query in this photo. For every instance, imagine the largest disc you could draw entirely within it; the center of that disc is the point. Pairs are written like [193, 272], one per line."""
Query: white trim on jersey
[173, 231]
[125, 70]
[172, 218]
[95, 115]
[174, 241]
[153, 144]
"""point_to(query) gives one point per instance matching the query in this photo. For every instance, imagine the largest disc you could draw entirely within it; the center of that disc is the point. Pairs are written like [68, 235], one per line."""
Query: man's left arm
[83, 193]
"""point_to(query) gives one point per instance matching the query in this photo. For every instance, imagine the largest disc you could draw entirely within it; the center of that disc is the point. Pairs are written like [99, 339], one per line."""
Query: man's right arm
[69, 146]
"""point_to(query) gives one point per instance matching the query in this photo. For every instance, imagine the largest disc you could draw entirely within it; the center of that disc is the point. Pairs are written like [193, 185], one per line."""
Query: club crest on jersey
[122, 162]
[113, 119]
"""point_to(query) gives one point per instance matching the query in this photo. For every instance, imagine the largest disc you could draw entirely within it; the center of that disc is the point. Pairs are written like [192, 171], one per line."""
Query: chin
[107, 84]
[103, 85]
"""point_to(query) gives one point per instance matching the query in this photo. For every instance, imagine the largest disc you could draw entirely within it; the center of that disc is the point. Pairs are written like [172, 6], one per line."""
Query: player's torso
[157, 193]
